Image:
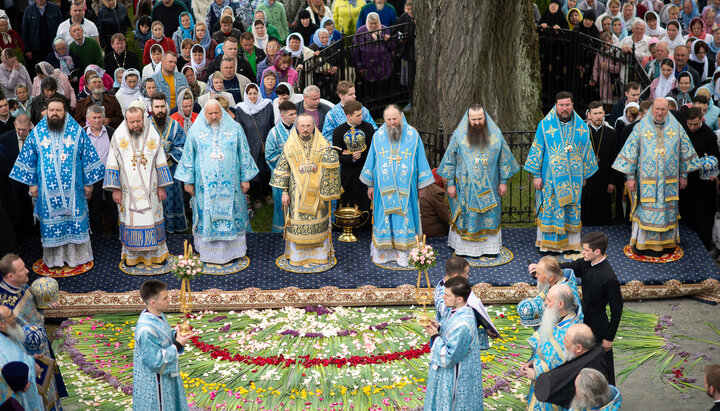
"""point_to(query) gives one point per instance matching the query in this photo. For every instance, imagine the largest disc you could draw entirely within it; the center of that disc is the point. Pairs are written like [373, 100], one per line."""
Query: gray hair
[24, 119]
[638, 22]
[77, 24]
[214, 102]
[310, 89]
[583, 336]
[230, 59]
[592, 390]
[552, 266]
[566, 295]
[93, 109]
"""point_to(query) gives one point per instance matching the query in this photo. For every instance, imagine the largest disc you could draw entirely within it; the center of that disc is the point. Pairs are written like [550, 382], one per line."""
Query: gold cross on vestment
[670, 133]
[383, 152]
[648, 134]
[551, 131]
[294, 152]
[406, 153]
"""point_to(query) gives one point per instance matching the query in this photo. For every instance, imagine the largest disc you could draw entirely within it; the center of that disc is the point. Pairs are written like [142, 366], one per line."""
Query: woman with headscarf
[215, 89]
[255, 115]
[688, 13]
[195, 86]
[129, 89]
[11, 73]
[697, 29]
[631, 114]
[62, 58]
[142, 31]
[148, 89]
[45, 69]
[652, 26]
[673, 36]
[9, 38]
[214, 12]
[181, 116]
[284, 93]
[317, 10]
[665, 82]
[284, 69]
[587, 25]
[708, 16]
[186, 29]
[574, 17]
[629, 14]
[199, 62]
[373, 50]
[259, 32]
[699, 60]
[612, 11]
[328, 24]
[327, 65]
[205, 40]
[237, 23]
[156, 55]
[553, 17]
[295, 45]
[268, 85]
[23, 99]
[107, 80]
[618, 30]
[714, 44]
[683, 92]
[117, 80]
[305, 27]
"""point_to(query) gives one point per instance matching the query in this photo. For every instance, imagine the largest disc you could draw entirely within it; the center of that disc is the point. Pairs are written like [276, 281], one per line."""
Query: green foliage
[132, 43]
[542, 5]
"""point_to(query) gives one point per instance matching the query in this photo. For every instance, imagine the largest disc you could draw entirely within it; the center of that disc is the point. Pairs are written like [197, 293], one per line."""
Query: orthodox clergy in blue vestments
[656, 159]
[308, 173]
[560, 159]
[547, 341]
[15, 295]
[11, 350]
[216, 168]
[173, 140]
[337, 117]
[477, 166]
[60, 164]
[455, 372]
[156, 374]
[137, 174]
[274, 145]
[396, 171]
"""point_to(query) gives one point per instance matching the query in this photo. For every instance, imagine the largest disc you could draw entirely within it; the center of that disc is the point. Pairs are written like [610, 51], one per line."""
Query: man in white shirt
[100, 203]
[77, 12]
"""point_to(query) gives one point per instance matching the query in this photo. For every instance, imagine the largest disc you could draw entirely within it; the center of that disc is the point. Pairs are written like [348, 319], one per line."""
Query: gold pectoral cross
[659, 151]
[395, 155]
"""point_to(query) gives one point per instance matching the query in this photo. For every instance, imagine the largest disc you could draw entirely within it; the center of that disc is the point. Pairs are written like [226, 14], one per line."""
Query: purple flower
[702, 355]
[290, 332]
[313, 335]
[406, 318]
[225, 328]
[218, 318]
[378, 327]
[319, 310]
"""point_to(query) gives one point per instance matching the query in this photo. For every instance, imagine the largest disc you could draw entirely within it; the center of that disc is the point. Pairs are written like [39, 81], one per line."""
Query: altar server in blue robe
[60, 164]
[11, 350]
[477, 166]
[396, 172]
[274, 145]
[336, 116]
[156, 375]
[216, 167]
[455, 374]
[561, 158]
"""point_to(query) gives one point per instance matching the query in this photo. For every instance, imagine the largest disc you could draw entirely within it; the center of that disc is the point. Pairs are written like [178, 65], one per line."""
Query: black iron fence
[380, 63]
[518, 205]
[588, 67]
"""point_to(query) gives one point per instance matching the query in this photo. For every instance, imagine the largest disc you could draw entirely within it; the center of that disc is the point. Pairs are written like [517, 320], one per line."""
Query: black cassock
[9, 212]
[355, 192]
[596, 201]
[698, 200]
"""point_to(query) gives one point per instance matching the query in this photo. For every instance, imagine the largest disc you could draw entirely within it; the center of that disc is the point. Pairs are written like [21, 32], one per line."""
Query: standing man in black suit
[712, 384]
[600, 287]
[12, 141]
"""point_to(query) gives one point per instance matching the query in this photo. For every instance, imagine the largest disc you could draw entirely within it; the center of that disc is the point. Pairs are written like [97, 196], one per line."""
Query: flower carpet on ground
[318, 358]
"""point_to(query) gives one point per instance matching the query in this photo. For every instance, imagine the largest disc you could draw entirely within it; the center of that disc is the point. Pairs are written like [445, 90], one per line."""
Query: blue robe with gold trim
[656, 157]
[173, 140]
[274, 144]
[548, 355]
[476, 173]
[562, 156]
[396, 170]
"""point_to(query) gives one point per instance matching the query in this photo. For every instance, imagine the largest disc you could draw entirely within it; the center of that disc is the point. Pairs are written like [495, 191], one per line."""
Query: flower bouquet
[423, 257]
[187, 267]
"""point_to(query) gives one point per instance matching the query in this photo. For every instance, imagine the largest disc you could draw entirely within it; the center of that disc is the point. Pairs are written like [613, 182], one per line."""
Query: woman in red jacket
[158, 37]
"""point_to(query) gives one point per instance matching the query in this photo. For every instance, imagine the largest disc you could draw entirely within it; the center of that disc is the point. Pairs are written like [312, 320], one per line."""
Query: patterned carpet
[355, 269]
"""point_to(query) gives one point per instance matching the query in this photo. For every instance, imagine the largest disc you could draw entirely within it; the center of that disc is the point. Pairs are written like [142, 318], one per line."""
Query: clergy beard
[568, 356]
[306, 137]
[55, 123]
[16, 334]
[477, 135]
[551, 317]
[394, 133]
[137, 133]
[160, 119]
[542, 287]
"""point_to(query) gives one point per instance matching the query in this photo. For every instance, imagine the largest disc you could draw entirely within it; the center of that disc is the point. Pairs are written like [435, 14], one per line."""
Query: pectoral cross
[659, 151]
[480, 159]
[395, 155]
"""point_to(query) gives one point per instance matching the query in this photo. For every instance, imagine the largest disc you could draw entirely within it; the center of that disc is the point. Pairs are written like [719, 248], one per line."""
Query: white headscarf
[624, 118]
[125, 95]
[248, 106]
[297, 53]
[665, 85]
[705, 71]
[678, 41]
[156, 66]
[203, 63]
[658, 31]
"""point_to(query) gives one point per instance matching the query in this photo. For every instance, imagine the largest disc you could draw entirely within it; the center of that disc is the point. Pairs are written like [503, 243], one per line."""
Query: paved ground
[642, 390]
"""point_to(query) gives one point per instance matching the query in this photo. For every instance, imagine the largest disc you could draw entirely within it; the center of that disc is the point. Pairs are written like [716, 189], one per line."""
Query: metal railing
[588, 67]
[371, 60]
[518, 204]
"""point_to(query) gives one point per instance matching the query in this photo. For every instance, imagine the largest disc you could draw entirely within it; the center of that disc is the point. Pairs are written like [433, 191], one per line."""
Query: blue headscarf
[335, 35]
[316, 38]
[685, 18]
[190, 32]
[217, 9]
[623, 30]
[273, 95]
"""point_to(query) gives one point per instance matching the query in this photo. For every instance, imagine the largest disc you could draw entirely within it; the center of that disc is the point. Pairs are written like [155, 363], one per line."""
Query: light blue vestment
[60, 164]
[216, 161]
[336, 117]
[548, 355]
[656, 157]
[476, 173]
[173, 140]
[455, 375]
[274, 144]
[562, 156]
[12, 351]
[155, 355]
[396, 171]
[570, 280]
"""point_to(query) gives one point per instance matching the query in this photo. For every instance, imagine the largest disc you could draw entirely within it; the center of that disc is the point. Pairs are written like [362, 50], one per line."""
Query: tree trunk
[476, 51]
